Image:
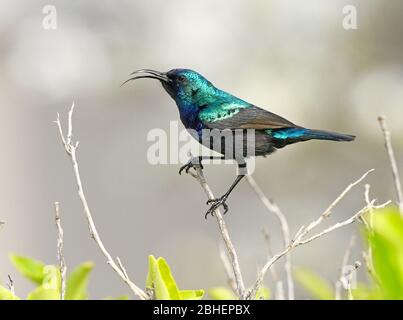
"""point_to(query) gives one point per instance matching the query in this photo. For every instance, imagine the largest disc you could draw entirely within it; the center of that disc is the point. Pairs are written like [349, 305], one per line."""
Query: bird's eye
[181, 78]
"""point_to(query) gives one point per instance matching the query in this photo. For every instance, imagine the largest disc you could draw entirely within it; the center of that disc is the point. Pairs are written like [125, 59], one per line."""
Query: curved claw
[188, 166]
[216, 203]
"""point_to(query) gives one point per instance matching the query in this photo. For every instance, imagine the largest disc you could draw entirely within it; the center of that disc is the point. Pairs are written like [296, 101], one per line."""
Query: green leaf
[160, 280]
[29, 268]
[44, 293]
[316, 285]
[77, 282]
[152, 271]
[386, 242]
[191, 294]
[50, 287]
[6, 294]
[165, 285]
[263, 294]
[221, 293]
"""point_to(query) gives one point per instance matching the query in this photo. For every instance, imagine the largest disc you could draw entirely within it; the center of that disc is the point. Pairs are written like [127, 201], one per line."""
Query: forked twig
[71, 149]
[232, 254]
[301, 239]
[392, 160]
[272, 207]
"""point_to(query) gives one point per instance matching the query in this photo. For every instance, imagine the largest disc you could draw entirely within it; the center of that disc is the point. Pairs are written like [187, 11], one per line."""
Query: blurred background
[292, 57]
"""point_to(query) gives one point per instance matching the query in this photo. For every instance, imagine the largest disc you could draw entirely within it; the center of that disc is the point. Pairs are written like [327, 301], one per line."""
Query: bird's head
[183, 85]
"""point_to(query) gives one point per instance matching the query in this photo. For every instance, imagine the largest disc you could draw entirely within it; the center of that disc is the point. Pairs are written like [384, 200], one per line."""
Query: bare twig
[233, 257]
[228, 269]
[279, 287]
[367, 255]
[328, 211]
[367, 200]
[60, 254]
[357, 264]
[346, 259]
[299, 241]
[300, 237]
[369, 225]
[272, 207]
[122, 267]
[71, 148]
[347, 254]
[392, 159]
[11, 285]
[267, 237]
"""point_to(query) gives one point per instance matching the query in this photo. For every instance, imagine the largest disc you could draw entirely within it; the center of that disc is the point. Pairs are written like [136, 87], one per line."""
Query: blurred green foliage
[223, 293]
[317, 286]
[385, 243]
[48, 280]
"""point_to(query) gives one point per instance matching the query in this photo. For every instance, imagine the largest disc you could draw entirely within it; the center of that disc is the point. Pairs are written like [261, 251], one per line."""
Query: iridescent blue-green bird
[203, 107]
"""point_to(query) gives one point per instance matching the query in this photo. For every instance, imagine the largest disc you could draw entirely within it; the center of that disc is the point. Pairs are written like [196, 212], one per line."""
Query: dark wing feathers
[250, 117]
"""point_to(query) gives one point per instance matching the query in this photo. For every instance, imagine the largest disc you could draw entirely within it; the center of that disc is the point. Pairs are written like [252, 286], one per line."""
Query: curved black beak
[148, 73]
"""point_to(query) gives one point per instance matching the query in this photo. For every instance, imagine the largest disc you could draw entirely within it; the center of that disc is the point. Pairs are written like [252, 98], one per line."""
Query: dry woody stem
[60, 254]
[232, 255]
[392, 160]
[272, 207]
[71, 148]
[301, 236]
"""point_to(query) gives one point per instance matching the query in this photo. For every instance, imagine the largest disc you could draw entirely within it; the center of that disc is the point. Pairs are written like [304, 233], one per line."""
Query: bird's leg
[197, 161]
[216, 203]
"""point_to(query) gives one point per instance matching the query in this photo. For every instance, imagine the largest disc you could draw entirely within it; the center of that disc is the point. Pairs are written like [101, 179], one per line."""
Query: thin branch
[329, 210]
[336, 226]
[71, 148]
[228, 269]
[347, 254]
[122, 267]
[392, 159]
[232, 255]
[11, 285]
[369, 226]
[357, 264]
[297, 242]
[300, 238]
[267, 237]
[60, 254]
[346, 259]
[367, 256]
[272, 207]
[367, 200]
[279, 287]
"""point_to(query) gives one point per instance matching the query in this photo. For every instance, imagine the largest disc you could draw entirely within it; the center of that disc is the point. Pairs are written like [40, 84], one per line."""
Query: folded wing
[239, 116]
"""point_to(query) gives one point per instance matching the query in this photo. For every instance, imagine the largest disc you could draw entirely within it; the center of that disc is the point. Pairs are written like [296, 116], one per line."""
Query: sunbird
[204, 108]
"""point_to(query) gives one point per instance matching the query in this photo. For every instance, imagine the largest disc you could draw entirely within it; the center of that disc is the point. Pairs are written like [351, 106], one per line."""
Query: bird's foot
[215, 204]
[194, 162]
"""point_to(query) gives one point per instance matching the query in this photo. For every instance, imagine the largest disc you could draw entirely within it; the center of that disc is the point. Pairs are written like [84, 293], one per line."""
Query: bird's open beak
[147, 73]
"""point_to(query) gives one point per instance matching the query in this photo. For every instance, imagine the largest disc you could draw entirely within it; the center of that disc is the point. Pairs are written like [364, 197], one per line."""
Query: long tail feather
[291, 135]
[327, 135]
